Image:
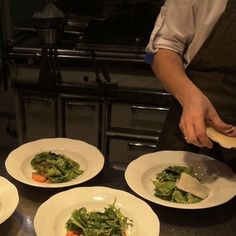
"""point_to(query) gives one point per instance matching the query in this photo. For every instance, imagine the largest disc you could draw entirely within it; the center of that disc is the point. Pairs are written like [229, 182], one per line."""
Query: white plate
[9, 199]
[52, 215]
[89, 157]
[218, 177]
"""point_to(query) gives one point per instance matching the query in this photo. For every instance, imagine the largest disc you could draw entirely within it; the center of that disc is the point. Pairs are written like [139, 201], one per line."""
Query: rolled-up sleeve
[174, 27]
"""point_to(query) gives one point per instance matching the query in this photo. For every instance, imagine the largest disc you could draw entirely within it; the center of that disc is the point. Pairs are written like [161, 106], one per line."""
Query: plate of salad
[54, 162]
[180, 179]
[9, 199]
[93, 211]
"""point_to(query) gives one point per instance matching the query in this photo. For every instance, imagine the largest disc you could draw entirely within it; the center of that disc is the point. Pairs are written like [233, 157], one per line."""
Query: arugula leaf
[111, 222]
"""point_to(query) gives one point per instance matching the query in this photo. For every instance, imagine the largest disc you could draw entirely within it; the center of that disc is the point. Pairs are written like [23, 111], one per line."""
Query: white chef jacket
[184, 25]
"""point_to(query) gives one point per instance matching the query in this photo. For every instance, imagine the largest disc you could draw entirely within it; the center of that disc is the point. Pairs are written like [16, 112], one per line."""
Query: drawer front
[77, 75]
[138, 81]
[28, 73]
[81, 121]
[123, 151]
[132, 75]
[39, 118]
[138, 116]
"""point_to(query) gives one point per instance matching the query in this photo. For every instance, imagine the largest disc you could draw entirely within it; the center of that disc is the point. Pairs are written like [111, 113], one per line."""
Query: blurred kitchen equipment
[49, 24]
[49, 75]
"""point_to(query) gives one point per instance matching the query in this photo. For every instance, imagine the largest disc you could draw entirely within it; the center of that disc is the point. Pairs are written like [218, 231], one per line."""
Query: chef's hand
[198, 113]
[231, 132]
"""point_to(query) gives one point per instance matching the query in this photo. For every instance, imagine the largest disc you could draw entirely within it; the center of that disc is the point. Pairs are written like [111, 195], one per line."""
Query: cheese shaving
[224, 140]
[192, 185]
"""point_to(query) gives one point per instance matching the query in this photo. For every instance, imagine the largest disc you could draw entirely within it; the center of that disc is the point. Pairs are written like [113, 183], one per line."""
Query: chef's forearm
[169, 69]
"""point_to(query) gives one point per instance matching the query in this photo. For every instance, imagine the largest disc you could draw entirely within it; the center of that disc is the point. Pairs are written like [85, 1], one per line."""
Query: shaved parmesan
[224, 140]
[191, 185]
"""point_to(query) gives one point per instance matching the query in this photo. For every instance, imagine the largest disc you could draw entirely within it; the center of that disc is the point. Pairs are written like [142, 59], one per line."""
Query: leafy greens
[165, 185]
[56, 167]
[111, 222]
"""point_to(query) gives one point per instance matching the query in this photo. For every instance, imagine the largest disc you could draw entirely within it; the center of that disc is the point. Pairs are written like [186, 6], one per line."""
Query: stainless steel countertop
[217, 221]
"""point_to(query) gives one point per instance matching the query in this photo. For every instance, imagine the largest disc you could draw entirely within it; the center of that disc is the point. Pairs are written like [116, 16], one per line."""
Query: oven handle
[141, 145]
[137, 107]
[81, 104]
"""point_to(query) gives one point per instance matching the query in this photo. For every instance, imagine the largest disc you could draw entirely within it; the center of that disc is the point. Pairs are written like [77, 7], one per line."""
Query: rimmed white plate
[9, 199]
[218, 177]
[52, 215]
[89, 157]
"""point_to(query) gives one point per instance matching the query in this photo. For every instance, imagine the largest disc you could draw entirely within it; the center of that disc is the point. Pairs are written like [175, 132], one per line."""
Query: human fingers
[231, 132]
[189, 133]
[216, 122]
[200, 130]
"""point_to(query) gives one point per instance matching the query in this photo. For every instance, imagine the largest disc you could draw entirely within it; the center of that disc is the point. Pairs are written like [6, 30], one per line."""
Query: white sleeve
[174, 27]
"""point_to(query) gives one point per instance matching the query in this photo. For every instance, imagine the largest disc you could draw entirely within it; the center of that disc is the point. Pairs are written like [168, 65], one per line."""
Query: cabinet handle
[136, 107]
[81, 104]
[142, 145]
[29, 99]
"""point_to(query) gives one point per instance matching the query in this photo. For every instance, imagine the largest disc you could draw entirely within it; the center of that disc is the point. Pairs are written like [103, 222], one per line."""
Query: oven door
[82, 119]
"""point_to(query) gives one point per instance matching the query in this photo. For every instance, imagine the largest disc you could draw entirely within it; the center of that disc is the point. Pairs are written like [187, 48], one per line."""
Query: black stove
[115, 28]
[111, 39]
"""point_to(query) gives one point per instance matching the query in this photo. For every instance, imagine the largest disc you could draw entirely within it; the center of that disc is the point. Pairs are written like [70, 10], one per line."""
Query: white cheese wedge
[192, 185]
[224, 140]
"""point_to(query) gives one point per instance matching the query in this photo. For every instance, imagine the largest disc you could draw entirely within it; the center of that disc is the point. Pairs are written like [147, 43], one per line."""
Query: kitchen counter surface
[217, 221]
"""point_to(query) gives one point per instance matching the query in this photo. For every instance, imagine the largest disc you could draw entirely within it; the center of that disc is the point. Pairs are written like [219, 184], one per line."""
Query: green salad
[54, 168]
[165, 185]
[111, 222]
